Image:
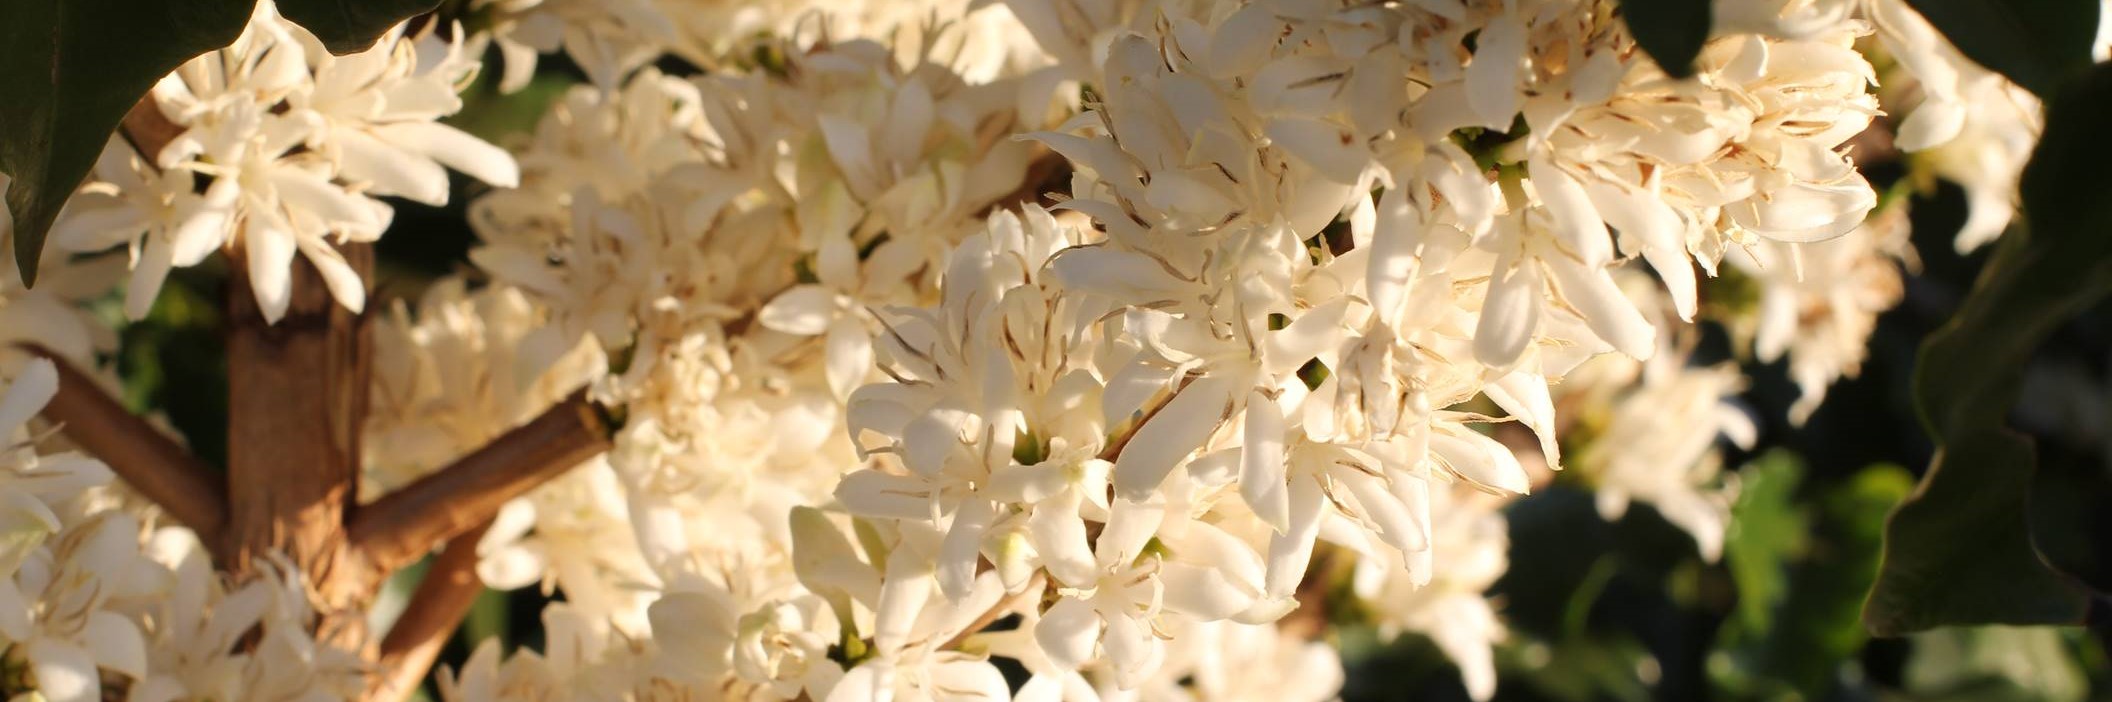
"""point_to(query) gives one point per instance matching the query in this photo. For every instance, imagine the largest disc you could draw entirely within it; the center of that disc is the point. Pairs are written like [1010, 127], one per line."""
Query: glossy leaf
[1671, 31]
[349, 26]
[2036, 43]
[1959, 551]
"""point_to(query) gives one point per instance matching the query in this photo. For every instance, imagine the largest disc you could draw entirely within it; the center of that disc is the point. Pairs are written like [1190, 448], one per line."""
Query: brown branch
[436, 608]
[297, 395]
[145, 458]
[403, 525]
[147, 130]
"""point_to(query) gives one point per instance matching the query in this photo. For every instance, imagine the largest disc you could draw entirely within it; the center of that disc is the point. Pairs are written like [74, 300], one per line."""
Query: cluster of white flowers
[1298, 243]
[887, 420]
[97, 603]
[1974, 127]
[282, 150]
[608, 39]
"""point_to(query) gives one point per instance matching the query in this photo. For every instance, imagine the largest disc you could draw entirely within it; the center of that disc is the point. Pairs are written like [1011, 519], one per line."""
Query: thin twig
[146, 459]
[403, 525]
[436, 608]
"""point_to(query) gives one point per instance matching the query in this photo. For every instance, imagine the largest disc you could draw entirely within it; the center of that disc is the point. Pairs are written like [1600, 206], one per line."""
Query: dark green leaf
[1960, 550]
[2036, 43]
[1671, 31]
[351, 26]
[70, 69]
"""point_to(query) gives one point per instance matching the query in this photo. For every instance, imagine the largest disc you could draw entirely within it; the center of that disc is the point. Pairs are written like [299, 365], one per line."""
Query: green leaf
[1959, 551]
[1671, 31]
[1767, 531]
[70, 69]
[1994, 664]
[1813, 632]
[351, 26]
[2036, 43]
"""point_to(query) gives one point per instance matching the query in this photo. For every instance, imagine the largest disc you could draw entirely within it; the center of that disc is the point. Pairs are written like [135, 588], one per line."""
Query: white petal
[902, 595]
[908, 121]
[1331, 150]
[344, 283]
[15, 616]
[962, 549]
[824, 560]
[1576, 221]
[511, 568]
[1464, 629]
[302, 190]
[850, 356]
[934, 437]
[457, 149]
[1028, 484]
[1261, 467]
[1480, 460]
[694, 626]
[1176, 431]
[1510, 313]
[1397, 525]
[1932, 124]
[1639, 214]
[872, 493]
[1201, 592]
[1807, 212]
[1469, 191]
[965, 679]
[1395, 242]
[270, 252]
[64, 672]
[1605, 309]
[1525, 395]
[1292, 550]
[1132, 650]
[1492, 78]
[1317, 331]
[34, 386]
[804, 310]
[852, 150]
[1058, 534]
[147, 278]
[390, 170]
[872, 681]
[116, 644]
[1677, 270]
[1067, 633]
[1130, 527]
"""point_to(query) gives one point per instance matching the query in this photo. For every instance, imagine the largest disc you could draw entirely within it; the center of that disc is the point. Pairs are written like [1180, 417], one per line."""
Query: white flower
[1819, 302]
[1451, 609]
[1658, 446]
